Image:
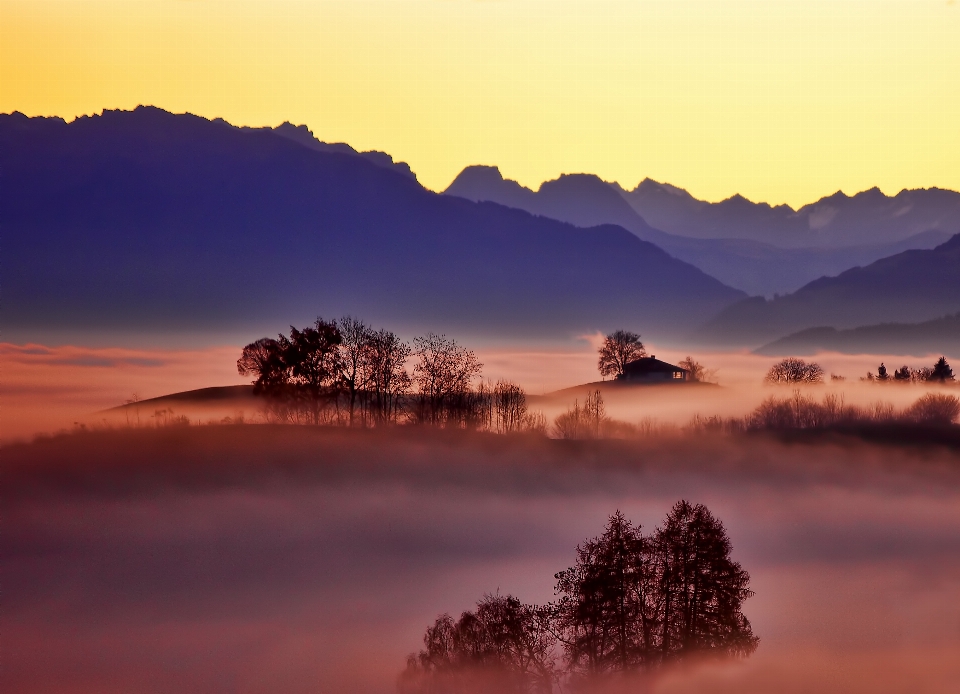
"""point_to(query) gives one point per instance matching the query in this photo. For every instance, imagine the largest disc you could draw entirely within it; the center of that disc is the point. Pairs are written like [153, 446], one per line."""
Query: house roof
[650, 365]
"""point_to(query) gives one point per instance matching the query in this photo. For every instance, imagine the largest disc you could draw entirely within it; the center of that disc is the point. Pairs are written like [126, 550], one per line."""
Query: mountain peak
[485, 183]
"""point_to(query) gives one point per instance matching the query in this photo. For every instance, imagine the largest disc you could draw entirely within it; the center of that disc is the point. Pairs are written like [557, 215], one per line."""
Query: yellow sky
[782, 101]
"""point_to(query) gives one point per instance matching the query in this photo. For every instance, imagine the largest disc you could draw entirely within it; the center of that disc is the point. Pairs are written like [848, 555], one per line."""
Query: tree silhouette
[934, 408]
[632, 601]
[586, 422]
[503, 645]
[700, 589]
[354, 360]
[941, 371]
[444, 374]
[882, 373]
[619, 348]
[510, 407]
[696, 371]
[298, 373]
[389, 381]
[903, 374]
[794, 370]
[602, 614]
[629, 603]
[263, 359]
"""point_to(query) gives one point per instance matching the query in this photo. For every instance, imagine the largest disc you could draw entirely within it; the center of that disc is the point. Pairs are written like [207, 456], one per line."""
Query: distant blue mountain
[909, 287]
[938, 336]
[150, 221]
[837, 221]
[754, 247]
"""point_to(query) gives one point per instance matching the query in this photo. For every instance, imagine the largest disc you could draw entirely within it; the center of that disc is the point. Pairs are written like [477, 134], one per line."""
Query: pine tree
[941, 371]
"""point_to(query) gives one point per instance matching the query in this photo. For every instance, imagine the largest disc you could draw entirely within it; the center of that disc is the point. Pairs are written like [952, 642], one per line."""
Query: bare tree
[354, 360]
[444, 375]
[619, 348]
[389, 381]
[934, 408]
[794, 370]
[586, 422]
[695, 370]
[510, 407]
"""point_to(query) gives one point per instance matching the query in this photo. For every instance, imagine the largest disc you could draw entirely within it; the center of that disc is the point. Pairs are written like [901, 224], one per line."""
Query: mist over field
[56, 388]
[301, 559]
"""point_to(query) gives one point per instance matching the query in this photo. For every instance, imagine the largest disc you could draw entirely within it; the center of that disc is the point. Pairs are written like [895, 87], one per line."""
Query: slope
[149, 221]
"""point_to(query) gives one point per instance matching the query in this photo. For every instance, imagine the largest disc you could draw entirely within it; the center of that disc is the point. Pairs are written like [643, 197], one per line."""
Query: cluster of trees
[794, 370]
[630, 603]
[938, 373]
[345, 372]
[589, 421]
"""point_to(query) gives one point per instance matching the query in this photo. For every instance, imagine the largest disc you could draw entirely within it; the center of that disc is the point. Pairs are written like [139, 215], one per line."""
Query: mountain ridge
[753, 266]
[916, 285]
[174, 222]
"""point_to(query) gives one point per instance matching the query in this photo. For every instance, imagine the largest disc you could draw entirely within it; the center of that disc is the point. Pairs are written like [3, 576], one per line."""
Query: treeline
[940, 372]
[793, 370]
[346, 373]
[631, 603]
[801, 411]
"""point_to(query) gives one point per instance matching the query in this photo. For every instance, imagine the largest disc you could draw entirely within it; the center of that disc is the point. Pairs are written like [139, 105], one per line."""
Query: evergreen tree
[941, 371]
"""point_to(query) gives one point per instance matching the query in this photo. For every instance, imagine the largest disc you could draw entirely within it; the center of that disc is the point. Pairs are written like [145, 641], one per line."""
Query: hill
[910, 286]
[150, 221]
[756, 265]
[938, 336]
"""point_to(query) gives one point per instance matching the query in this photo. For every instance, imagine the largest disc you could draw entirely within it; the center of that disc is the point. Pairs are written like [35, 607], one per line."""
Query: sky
[781, 101]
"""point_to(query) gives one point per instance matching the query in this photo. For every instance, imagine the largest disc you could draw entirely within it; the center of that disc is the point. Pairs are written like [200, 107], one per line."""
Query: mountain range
[938, 336]
[910, 287]
[754, 247]
[146, 221]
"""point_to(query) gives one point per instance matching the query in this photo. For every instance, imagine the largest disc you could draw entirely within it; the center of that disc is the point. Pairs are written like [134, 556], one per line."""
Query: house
[652, 370]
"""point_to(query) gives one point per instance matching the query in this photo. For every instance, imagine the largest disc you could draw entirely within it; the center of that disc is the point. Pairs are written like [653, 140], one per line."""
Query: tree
[794, 370]
[354, 359]
[389, 381]
[882, 373]
[695, 370]
[510, 407]
[444, 375]
[700, 590]
[263, 359]
[298, 373]
[619, 348]
[903, 374]
[941, 371]
[503, 645]
[601, 616]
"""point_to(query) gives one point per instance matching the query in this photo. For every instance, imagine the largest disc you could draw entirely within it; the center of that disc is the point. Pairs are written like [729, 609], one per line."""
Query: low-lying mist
[272, 558]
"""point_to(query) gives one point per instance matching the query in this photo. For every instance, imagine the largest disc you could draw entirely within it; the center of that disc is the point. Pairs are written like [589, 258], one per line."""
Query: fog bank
[287, 558]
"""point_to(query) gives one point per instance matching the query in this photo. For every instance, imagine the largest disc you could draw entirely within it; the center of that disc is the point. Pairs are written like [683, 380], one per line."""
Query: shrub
[934, 408]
